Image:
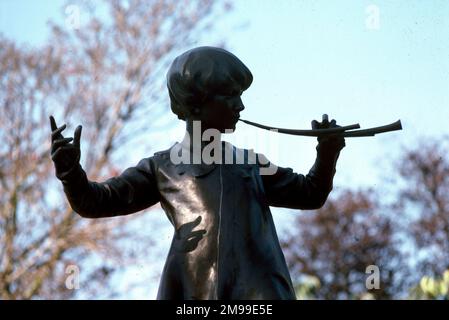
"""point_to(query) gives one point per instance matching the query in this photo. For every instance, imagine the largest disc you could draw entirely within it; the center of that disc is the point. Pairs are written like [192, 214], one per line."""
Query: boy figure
[225, 244]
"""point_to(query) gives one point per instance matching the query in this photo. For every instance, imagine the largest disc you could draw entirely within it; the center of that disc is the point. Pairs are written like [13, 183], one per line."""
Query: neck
[194, 134]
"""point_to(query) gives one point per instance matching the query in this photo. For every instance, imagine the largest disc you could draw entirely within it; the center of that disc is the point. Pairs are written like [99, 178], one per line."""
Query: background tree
[432, 288]
[334, 246]
[108, 74]
[423, 186]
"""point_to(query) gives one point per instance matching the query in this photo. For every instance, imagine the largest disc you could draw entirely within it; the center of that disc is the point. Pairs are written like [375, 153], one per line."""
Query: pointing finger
[77, 136]
[53, 123]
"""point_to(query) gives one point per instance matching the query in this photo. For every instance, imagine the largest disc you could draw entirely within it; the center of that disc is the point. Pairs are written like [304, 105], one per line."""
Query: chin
[232, 127]
[227, 129]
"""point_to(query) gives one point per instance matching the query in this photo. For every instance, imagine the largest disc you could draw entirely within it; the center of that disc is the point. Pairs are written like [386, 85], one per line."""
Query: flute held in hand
[345, 130]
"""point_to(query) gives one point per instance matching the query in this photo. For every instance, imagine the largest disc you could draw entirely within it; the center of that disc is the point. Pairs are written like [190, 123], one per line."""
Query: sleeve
[134, 190]
[285, 188]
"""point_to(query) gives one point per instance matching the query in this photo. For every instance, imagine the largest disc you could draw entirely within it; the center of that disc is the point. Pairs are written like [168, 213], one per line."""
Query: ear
[195, 111]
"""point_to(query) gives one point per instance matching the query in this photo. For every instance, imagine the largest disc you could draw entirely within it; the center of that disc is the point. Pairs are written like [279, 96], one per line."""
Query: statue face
[222, 111]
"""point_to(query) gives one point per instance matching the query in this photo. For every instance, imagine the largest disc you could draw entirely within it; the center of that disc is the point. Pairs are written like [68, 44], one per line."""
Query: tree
[103, 74]
[335, 246]
[432, 288]
[424, 196]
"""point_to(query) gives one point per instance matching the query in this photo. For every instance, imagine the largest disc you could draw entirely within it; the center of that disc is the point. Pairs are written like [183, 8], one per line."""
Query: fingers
[197, 233]
[321, 125]
[196, 222]
[53, 123]
[56, 134]
[77, 136]
[59, 143]
[324, 124]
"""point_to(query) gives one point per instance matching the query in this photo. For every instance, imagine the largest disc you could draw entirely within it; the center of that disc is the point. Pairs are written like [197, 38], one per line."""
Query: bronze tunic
[225, 244]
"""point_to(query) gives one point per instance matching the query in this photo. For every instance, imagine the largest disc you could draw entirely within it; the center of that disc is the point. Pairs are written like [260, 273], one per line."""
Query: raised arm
[286, 188]
[134, 190]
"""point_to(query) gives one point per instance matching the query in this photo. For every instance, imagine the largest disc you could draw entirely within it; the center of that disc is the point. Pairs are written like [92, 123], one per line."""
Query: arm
[134, 190]
[288, 189]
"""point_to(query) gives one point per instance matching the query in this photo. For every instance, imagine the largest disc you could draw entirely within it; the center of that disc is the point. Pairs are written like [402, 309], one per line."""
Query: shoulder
[162, 154]
[249, 156]
[161, 158]
[165, 154]
[148, 164]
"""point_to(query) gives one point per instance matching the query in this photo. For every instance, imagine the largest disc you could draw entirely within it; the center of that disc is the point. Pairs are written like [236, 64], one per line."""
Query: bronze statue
[225, 244]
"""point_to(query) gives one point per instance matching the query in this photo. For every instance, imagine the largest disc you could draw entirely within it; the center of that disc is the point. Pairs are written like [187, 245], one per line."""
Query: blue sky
[315, 57]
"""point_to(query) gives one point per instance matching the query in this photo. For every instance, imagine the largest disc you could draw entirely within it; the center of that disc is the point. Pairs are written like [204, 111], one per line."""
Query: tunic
[225, 244]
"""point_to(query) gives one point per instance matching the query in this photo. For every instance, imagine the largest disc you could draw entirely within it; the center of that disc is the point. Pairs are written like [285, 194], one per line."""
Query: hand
[65, 155]
[329, 143]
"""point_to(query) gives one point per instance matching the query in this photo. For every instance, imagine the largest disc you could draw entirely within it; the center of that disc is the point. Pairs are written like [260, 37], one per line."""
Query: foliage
[338, 242]
[102, 74]
[432, 288]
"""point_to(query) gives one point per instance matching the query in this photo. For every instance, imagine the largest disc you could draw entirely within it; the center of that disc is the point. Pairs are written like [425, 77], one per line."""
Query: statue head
[205, 84]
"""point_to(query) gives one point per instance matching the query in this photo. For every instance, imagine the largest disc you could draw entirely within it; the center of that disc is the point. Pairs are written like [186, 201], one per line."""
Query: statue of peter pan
[225, 244]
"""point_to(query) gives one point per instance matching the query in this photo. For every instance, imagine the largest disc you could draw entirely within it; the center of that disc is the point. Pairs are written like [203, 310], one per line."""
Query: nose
[238, 106]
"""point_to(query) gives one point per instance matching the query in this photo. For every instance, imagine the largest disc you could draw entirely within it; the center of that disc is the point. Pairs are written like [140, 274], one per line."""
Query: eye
[235, 93]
